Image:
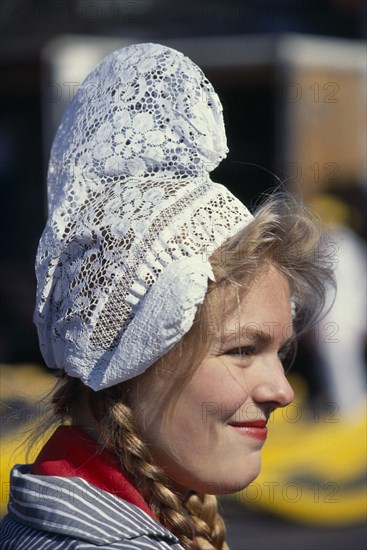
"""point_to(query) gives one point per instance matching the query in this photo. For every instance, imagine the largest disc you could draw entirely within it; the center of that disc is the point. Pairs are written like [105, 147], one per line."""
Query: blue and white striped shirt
[68, 513]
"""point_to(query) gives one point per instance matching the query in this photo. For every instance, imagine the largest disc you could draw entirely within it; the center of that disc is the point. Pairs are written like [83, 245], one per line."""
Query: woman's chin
[225, 485]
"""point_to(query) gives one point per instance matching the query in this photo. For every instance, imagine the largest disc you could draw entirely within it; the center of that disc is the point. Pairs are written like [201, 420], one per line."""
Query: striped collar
[75, 508]
[71, 452]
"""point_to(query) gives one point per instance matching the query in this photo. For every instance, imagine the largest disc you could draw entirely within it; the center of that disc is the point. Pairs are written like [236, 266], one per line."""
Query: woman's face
[211, 442]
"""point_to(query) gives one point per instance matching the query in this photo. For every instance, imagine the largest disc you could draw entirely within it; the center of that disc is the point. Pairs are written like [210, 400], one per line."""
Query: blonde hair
[283, 233]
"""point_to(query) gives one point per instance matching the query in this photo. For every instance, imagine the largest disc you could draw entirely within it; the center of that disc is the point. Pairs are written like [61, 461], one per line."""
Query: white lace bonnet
[133, 216]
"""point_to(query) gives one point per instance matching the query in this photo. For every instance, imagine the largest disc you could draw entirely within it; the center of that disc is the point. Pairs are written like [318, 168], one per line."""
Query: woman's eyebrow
[253, 335]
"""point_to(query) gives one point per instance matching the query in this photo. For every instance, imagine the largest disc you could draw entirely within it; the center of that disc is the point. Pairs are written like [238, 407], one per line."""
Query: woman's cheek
[211, 397]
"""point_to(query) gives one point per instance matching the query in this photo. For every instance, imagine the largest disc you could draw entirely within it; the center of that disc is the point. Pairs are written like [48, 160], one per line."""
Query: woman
[169, 310]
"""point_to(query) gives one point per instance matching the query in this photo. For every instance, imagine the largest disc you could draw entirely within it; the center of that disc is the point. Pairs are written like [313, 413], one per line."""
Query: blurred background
[291, 75]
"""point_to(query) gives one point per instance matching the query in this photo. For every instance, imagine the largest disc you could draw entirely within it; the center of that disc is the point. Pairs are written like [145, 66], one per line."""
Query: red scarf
[70, 452]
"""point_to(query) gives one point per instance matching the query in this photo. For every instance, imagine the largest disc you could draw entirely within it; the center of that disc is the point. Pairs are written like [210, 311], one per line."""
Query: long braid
[119, 434]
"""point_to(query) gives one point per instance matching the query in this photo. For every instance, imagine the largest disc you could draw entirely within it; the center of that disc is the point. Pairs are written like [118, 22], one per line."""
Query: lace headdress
[133, 216]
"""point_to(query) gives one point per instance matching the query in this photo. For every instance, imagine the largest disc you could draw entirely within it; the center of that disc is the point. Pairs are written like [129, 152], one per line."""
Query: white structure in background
[341, 339]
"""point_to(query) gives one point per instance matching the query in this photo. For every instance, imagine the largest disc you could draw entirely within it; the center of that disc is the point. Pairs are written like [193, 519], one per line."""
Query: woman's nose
[273, 387]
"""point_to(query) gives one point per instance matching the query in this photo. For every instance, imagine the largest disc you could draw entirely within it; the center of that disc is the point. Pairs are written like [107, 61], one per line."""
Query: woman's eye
[244, 351]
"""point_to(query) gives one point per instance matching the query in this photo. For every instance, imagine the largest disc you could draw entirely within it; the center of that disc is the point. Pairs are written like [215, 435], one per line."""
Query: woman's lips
[253, 428]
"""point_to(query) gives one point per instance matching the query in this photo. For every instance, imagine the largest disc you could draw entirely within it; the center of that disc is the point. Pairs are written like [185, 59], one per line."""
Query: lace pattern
[131, 208]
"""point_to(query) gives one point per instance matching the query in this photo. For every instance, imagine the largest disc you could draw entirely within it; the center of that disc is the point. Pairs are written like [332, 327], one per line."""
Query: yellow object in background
[22, 388]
